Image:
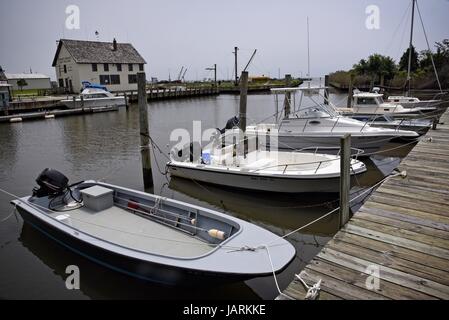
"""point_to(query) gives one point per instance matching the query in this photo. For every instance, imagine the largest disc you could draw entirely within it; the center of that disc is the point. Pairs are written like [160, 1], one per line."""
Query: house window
[94, 67]
[105, 79]
[119, 67]
[65, 69]
[115, 79]
[61, 83]
[106, 67]
[141, 67]
[130, 67]
[132, 78]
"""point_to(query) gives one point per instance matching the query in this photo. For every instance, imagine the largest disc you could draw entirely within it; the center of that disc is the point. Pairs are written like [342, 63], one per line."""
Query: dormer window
[106, 67]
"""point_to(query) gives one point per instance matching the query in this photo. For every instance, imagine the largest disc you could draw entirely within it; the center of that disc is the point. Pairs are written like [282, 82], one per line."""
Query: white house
[109, 63]
[33, 80]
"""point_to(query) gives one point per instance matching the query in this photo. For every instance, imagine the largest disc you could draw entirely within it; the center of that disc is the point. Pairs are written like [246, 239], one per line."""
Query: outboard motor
[230, 124]
[51, 183]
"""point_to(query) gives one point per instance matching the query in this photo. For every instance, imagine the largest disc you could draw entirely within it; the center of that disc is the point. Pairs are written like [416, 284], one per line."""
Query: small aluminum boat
[151, 237]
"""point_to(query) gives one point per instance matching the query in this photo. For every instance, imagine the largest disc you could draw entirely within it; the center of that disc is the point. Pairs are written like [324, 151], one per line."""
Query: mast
[410, 49]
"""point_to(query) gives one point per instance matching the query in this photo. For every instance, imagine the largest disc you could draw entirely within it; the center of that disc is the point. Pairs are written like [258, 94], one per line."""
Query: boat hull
[248, 181]
[368, 144]
[101, 102]
[144, 270]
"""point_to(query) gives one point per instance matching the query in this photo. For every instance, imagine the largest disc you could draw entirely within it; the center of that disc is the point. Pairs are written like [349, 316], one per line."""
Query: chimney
[114, 45]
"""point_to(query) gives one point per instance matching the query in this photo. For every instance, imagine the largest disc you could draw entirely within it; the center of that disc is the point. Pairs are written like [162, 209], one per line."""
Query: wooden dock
[171, 93]
[402, 232]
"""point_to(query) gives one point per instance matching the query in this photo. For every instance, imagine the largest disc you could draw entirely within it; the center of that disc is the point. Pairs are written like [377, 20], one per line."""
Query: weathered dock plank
[402, 230]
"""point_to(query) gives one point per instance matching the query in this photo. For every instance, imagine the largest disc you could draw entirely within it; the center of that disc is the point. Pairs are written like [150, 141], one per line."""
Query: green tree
[377, 67]
[403, 62]
[22, 83]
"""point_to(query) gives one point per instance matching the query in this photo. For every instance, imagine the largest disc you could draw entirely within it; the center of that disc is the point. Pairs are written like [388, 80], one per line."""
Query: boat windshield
[94, 95]
[313, 112]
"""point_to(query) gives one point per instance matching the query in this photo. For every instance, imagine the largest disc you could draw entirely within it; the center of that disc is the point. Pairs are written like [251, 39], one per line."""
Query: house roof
[17, 76]
[99, 52]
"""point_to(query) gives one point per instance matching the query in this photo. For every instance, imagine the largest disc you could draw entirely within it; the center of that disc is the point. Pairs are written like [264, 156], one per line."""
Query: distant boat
[413, 102]
[151, 237]
[94, 96]
[320, 126]
[272, 171]
[372, 103]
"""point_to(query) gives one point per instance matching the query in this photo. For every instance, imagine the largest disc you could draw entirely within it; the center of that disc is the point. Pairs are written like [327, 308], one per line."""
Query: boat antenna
[410, 49]
[428, 47]
[308, 49]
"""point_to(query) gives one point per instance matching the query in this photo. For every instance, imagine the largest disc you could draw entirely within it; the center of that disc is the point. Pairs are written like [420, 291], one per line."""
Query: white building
[109, 63]
[33, 81]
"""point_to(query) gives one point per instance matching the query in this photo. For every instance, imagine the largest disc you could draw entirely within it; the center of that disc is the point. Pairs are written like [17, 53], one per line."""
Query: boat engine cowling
[51, 183]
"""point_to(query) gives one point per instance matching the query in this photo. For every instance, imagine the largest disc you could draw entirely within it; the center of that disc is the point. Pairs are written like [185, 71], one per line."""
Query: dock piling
[144, 131]
[345, 177]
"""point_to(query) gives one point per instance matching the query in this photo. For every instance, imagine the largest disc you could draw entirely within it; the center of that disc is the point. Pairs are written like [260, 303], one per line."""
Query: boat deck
[124, 228]
[400, 236]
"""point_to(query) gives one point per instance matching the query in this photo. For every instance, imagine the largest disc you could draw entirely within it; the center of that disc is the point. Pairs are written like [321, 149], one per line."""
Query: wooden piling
[345, 177]
[350, 89]
[74, 102]
[144, 131]
[243, 100]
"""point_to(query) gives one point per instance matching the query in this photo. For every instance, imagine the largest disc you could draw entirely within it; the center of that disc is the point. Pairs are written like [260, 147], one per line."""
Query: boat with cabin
[372, 103]
[318, 126]
[94, 95]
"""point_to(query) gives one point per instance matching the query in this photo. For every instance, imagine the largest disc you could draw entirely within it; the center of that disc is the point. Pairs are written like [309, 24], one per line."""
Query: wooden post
[74, 102]
[144, 131]
[82, 101]
[326, 90]
[345, 177]
[434, 123]
[126, 100]
[288, 96]
[243, 100]
[350, 89]
[242, 112]
[235, 65]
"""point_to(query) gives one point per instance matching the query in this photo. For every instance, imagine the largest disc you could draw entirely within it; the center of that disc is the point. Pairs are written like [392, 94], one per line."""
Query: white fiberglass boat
[273, 171]
[94, 96]
[320, 126]
[370, 103]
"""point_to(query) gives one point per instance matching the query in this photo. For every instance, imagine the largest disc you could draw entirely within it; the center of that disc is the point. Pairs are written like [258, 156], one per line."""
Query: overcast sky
[198, 33]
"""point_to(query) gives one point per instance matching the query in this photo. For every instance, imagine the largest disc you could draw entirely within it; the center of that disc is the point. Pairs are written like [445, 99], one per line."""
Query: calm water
[106, 146]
